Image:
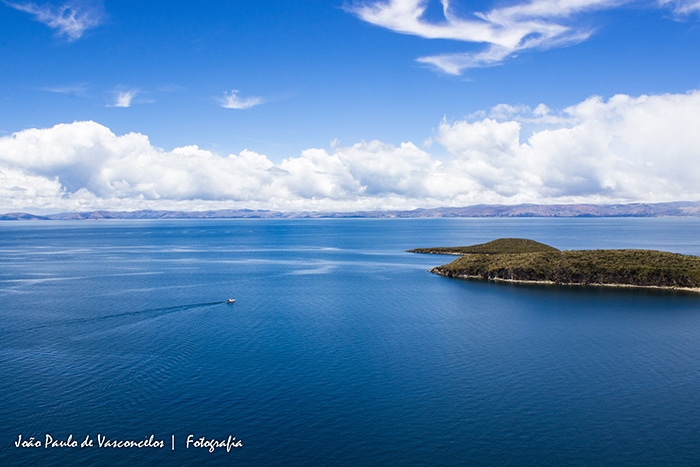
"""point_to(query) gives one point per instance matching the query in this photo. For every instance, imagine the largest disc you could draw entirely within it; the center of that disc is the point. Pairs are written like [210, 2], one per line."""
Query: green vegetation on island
[513, 259]
[500, 246]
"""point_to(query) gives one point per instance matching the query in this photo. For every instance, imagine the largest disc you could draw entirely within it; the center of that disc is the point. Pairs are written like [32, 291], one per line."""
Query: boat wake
[149, 313]
[154, 312]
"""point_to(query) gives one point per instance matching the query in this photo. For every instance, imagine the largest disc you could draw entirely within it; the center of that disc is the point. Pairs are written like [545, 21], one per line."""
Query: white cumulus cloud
[621, 149]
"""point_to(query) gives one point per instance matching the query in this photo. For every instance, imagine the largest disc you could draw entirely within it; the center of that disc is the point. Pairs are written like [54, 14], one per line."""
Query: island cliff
[522, 260]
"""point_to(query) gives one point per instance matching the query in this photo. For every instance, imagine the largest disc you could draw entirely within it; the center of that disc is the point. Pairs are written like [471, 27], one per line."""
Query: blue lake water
[341, 349]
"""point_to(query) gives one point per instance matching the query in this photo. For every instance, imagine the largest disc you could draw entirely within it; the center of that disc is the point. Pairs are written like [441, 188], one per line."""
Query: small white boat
[230, 300]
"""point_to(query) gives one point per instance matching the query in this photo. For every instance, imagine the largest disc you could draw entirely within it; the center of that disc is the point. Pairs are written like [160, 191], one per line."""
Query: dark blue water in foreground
[340, 349]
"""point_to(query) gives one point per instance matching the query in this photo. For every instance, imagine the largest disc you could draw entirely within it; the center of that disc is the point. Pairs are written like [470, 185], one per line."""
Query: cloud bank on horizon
[505, 30]
[623, 149]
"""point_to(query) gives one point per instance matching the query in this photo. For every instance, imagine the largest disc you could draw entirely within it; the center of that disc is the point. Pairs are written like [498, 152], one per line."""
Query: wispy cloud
[69, 20]
[233, 101]
[124, 98]
[70, 89]
[681, 7]
[506, 31]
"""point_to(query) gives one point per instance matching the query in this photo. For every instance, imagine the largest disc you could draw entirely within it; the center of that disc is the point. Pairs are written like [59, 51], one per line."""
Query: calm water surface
[340, 349]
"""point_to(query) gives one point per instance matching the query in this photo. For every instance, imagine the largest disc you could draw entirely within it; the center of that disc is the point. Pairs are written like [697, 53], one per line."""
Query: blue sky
[326, 104]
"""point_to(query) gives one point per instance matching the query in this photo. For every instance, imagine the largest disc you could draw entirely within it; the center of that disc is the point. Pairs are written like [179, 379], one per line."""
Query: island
[523, 260]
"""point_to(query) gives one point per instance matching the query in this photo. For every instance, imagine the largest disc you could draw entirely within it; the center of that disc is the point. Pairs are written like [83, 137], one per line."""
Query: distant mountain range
[674, 209]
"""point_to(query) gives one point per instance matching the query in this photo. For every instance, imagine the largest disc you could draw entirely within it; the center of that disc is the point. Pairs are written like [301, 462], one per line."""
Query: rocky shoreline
[440, 272]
